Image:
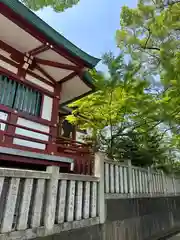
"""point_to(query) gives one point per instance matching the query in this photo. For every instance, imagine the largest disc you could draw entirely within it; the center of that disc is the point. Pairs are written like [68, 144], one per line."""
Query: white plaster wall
[3, 116]
[33, 125]
[27, 133]
[8, 67]
[47, 108]
[30, 144]
[39, 83]
[31, 134]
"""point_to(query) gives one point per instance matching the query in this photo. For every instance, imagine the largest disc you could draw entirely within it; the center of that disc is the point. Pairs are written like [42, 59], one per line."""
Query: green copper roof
[49, 32]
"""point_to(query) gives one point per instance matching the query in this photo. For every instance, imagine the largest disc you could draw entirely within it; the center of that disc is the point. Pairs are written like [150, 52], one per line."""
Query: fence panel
[77, 198]
[33, 199]
[127, 180]
[22, 196]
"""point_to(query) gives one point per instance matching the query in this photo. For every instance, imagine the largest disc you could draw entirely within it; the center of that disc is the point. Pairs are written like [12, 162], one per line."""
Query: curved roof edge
[88, 80]
[48, 31]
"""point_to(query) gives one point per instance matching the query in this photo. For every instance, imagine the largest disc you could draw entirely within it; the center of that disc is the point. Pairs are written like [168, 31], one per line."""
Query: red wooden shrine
[41, 72]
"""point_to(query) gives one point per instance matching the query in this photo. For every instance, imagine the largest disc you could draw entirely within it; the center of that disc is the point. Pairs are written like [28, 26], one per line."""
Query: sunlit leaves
[151, 31]
[122, 113]
[57, 5]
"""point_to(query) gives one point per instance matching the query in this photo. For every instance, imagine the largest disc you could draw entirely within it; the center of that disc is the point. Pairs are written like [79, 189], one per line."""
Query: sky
[90, 25]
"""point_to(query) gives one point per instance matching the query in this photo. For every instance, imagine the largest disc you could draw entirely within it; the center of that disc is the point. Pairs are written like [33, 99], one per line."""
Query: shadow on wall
[88, 233]
[142, 218]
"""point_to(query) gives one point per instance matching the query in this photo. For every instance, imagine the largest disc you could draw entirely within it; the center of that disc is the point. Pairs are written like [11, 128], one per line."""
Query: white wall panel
[31, 134]
[33, 125]
[28, 133]
[47, 108]
[30, 144]
[8, 67]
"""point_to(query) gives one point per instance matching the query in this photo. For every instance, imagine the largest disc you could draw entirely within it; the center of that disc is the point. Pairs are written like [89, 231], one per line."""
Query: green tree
[57, 5]
[149, 34]
[122, 115]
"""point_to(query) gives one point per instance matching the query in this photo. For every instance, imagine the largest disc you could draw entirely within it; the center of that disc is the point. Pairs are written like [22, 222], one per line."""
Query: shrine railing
[34, 139]
[81, 152]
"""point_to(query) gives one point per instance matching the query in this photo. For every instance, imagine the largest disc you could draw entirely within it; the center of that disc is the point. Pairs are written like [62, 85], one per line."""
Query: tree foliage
[57, 5]
[123, 115]
[135, 113]
[150, 34]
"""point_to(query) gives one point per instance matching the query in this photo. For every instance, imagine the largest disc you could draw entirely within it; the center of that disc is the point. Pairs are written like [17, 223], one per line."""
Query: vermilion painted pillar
[52, 148]
[12, 119]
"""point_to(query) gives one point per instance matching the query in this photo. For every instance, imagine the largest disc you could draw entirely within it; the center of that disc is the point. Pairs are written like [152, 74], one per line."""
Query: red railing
[81, 153]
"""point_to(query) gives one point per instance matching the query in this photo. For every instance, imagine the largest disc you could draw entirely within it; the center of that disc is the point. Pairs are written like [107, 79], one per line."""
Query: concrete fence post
[51, 197]
[150, 190]
[99, 172]
[174, 184]
[130, 178]
[164, 183]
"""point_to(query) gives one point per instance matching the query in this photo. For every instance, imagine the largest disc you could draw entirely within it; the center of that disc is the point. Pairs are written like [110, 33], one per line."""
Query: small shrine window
[20, 97]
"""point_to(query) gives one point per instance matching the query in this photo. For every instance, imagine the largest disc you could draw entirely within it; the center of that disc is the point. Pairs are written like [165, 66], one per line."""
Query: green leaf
[57, 5]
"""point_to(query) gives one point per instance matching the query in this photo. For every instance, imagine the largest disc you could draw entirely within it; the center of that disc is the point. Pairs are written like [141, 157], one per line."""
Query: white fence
[48, 201]
[128, 180]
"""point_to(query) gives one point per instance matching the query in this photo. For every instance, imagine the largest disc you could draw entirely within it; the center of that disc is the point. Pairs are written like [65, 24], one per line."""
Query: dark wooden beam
[9, 61]
[56, 64]
[67, 78]
[29, 71]
[45, 73]
[39, 49]
[21, 73]
[37, 76]
[16, 55]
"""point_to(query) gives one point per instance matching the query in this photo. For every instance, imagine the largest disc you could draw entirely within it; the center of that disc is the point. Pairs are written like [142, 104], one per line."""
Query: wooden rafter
[21, 72]
[22, 23]
[65, 79]
[9, 61]
[17, 60]
[39, 49]
[56, 64]
[36, 75]
[40, 69]
[14, 52]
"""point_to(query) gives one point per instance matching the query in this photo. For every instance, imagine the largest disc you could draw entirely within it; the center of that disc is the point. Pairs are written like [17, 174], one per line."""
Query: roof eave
[49, 32]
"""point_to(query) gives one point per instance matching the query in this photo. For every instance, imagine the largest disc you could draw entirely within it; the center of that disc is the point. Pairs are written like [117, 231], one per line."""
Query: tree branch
[147, 40]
